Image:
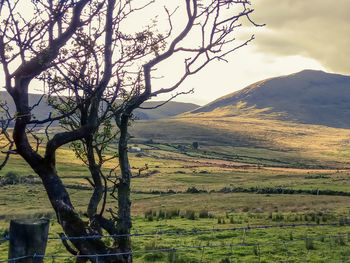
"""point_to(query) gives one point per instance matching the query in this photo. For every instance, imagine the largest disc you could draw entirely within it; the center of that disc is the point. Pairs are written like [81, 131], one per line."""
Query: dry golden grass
[325, 145]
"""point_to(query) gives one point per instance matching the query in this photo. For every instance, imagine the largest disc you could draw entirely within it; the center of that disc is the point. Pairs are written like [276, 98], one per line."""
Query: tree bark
[69, 219]
[124, 203]
[95, 171]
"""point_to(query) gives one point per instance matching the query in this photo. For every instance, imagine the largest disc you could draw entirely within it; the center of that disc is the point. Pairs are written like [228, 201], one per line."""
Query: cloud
[316, 29]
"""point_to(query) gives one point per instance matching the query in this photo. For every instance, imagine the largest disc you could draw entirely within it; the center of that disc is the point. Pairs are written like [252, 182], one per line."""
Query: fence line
[178, 248]
[14, 259]
[196, 231]
[193, 231]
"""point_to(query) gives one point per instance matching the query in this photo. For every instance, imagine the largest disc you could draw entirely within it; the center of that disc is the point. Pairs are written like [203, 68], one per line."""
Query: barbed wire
[197, 231]
[193, 231]
[14, 259]
[179, 248]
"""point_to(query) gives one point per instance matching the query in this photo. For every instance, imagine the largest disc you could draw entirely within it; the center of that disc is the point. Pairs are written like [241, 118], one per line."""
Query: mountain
[171, 108]
[309, 97]
[298, 120]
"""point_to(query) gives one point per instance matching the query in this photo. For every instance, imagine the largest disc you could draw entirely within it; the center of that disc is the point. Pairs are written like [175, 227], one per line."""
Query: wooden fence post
[27, 238]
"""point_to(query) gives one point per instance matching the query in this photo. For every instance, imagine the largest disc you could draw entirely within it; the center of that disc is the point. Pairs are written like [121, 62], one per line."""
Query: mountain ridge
[170, 109]
[308, 96]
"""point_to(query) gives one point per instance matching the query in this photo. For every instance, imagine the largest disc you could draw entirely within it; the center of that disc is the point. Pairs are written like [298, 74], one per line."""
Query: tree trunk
[95, 171]
[68, 218]
[71, 222]
[124, 203]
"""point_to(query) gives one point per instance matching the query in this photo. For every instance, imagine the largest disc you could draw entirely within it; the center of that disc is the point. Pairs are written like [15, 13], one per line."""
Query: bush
[161, 214]
[190, 214]
[12, 178]
[192, 190]
[203, 214]
[172, 213]
[148, 213]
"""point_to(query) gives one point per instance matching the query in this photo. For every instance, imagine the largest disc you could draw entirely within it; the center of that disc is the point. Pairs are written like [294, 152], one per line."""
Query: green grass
[178, 172]
[323, 249]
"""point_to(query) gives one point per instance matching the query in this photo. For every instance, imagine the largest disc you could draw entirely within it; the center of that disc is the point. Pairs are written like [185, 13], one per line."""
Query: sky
[299, 34]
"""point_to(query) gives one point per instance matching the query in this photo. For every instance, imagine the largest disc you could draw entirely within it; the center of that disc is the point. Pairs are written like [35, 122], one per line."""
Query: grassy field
[252, 138]
[181, 191]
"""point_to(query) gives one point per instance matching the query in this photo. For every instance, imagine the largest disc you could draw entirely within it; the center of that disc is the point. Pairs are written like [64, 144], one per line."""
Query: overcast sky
[299, 34]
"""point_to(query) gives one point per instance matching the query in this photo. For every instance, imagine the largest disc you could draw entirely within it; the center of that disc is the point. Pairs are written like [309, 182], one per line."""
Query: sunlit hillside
[309, 96]
[299, 119]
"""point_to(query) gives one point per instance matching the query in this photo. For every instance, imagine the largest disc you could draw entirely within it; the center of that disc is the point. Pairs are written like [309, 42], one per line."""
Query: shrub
[231, 220]
[192, 190]
[11, 178]
[148, 213]
[161, 214]
[317, 220]
[172, 213]
[203, 214]
[190, 214]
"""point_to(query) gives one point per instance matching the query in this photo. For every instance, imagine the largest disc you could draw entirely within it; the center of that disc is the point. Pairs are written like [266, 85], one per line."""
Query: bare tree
[95, 70]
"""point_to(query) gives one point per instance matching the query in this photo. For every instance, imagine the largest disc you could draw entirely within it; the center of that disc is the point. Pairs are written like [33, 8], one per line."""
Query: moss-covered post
[28, 238]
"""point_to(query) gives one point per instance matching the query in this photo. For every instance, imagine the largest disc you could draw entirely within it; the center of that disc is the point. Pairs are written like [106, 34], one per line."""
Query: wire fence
[191, 232]
[194, 231]
[96, 256]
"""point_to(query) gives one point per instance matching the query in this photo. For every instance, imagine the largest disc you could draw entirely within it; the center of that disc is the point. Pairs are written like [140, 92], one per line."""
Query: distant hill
[171, 108]
[299, 120]
[309, 96]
